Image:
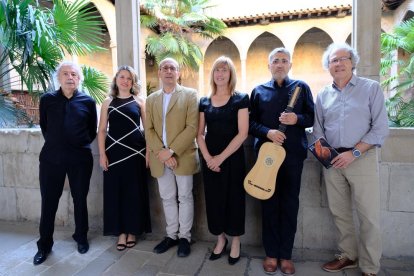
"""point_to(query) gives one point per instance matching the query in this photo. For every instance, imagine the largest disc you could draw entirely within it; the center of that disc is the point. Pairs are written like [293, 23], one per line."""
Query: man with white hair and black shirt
[68, 121]
[350, 114]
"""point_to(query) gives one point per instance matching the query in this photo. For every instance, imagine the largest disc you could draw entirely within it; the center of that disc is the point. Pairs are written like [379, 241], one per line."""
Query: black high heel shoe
[215, 256]
[233, 261]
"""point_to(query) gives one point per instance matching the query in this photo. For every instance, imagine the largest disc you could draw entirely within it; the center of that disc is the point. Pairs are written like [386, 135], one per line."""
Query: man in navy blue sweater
[68, 122]
[268, 103]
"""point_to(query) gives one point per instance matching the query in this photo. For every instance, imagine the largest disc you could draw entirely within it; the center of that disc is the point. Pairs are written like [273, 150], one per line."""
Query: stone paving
[18, 246]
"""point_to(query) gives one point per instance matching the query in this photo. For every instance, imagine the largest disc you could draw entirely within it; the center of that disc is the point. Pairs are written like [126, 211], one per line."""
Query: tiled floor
[18, 245]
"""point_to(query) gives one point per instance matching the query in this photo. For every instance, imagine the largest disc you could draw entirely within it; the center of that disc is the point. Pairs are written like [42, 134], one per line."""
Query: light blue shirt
[166, 97]
[351, 115]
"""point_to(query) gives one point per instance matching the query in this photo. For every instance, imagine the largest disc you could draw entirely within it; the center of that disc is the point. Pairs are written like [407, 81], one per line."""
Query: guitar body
[260, 182]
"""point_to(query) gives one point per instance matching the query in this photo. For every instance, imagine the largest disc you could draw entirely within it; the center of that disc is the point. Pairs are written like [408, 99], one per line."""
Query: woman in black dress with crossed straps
[123, 159]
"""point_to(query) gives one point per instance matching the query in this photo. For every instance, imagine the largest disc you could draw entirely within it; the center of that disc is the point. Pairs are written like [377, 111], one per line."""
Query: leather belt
[341, 150]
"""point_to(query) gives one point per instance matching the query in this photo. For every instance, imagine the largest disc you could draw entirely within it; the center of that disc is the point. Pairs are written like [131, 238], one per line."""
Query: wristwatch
[356, 152]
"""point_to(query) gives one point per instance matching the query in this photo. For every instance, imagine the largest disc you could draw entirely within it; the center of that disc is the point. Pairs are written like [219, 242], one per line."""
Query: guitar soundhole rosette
[269, 161]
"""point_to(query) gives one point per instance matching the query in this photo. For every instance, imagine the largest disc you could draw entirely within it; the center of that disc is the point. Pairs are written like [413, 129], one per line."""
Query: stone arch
[103, 60]
[307, 59]
[107, 11]
[219, 47]
[257, 71]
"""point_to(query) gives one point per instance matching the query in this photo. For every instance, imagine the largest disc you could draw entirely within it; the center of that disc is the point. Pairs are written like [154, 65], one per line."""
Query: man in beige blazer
[170, 131]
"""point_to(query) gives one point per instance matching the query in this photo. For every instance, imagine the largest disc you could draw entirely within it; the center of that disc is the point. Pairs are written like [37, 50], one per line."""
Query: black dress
[224, 192]
[126, 205]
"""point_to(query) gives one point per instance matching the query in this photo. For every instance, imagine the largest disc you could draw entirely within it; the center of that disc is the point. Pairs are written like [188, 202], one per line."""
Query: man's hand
[276, 136]
[163, 155]
[171, 163]
[288, 118]
[343, 160]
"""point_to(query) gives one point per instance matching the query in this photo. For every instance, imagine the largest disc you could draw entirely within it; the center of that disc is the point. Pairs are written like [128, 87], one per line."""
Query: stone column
[143, 73]
[366, 30]
[243, 74]
[112, 46]
[201, 91]
[127, 33]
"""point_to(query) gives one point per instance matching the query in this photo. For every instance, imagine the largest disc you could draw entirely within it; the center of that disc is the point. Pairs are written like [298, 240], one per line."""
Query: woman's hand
[214, 163]
[103, 162]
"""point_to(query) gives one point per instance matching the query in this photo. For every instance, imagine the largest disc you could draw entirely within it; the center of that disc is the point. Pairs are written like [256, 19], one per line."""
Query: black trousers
[52, 179]
[279, 213]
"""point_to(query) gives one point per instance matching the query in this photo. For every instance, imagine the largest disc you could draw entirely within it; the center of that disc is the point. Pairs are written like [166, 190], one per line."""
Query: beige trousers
[360, 182]
[176, 192]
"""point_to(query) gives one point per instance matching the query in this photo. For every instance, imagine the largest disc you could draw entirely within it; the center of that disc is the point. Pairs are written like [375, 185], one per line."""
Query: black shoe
[166, 244]
[83, 247]
[40, 256]
[215, 256]
[233, 261]
[184, 248]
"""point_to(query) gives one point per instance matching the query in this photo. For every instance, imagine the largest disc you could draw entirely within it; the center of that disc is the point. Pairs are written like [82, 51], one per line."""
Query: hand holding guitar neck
[288, 117]
[260, 182]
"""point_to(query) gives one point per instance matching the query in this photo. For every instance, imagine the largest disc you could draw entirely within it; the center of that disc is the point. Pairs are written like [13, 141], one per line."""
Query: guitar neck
[290, 106]
[282, 127]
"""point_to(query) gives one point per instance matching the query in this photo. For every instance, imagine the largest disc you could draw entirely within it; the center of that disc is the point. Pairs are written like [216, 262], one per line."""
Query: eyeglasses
[277, 61]
[339, 60]
[169, 68]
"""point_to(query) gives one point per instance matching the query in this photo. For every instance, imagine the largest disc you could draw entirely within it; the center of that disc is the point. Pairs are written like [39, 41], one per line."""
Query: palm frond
[148, 21]
[96, 84]
[172, 20]
[169, 41]
[214, 27]
[406, 115]
[69, 19]
[34, 39]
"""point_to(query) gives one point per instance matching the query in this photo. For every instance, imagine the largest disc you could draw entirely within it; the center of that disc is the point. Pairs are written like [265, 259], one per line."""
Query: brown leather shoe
[287, 267]
[368, 274]
[270, 265]
[341, 262]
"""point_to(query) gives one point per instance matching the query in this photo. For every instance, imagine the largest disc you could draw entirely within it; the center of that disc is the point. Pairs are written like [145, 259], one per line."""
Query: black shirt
[268, 101]
[68, 126]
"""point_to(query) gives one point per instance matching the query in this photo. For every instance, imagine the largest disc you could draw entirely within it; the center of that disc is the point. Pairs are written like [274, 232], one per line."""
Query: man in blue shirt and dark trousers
[68, 121]
[268, 103]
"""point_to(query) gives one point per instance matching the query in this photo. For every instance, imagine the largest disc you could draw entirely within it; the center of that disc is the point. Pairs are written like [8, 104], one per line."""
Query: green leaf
[96, 84]
[172, 20]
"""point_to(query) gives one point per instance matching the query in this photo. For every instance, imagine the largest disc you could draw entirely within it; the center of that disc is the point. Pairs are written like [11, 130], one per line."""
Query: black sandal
[121, 246]
[130, 244]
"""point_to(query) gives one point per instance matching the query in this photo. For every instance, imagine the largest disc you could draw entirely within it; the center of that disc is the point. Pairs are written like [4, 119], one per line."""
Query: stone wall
[20, 195]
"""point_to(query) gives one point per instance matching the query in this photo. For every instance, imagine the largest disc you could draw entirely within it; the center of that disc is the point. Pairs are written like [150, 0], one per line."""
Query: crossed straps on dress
[135, 152]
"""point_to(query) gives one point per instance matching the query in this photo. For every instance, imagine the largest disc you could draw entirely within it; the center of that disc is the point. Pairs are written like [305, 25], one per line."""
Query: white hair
[278, 50]
[339, 46]
[71, 64]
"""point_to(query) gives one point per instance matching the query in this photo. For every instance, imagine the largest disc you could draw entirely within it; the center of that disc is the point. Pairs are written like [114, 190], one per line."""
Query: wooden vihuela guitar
[260, 182]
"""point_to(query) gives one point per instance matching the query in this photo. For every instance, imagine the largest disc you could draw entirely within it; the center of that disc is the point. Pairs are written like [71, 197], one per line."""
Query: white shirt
[166, 97]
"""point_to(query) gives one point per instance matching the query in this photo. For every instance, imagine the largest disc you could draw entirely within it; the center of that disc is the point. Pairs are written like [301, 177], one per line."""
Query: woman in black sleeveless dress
[123, 159]
[225, 114]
